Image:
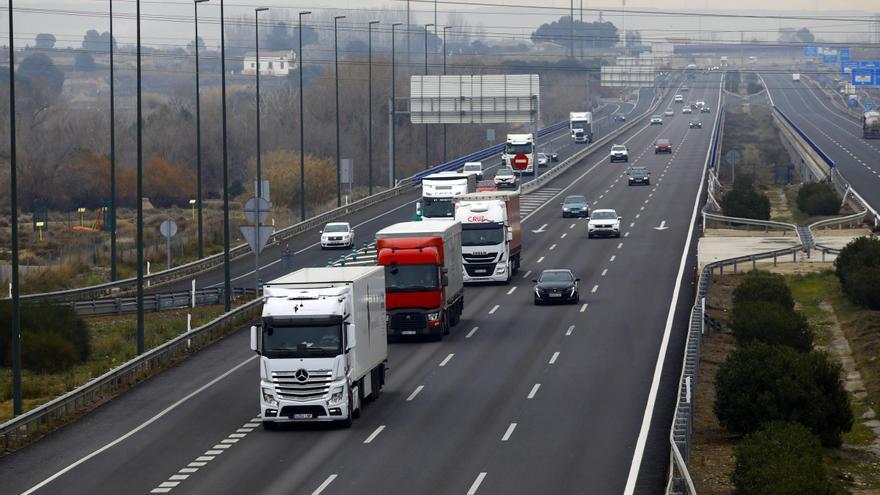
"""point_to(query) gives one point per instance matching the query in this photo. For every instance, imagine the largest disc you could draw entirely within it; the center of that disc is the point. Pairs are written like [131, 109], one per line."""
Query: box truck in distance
[322, 344]
[581, 126]
[439, 189]
[424, 288]
[491, 239]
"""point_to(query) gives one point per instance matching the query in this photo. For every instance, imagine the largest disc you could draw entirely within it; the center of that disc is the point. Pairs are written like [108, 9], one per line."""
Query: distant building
[272, 63]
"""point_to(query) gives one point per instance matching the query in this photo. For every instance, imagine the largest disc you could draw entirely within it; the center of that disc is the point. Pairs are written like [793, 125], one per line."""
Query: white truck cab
[523, 146]
[439, 189]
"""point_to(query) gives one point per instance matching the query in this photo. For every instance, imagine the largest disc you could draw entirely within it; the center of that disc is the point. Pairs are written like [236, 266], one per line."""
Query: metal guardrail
[156, 302]
[748, 221]
[49, 416]
[827, 159]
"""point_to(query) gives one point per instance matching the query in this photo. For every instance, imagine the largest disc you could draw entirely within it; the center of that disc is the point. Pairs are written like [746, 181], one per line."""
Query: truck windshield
[515, 149]
[438, 208]
[295, 341]
[411, 278]
[578, 124]
[481, 234]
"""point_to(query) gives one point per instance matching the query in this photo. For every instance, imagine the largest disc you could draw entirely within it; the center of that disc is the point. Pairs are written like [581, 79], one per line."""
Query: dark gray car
[639, 175]
[575, 206]
[556, 286]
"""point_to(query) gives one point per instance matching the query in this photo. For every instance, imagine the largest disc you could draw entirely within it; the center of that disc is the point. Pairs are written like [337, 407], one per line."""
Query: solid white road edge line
[639, 451]
[138, 428]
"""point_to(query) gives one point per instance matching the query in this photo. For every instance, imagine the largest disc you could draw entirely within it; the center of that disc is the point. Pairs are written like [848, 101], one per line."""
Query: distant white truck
[491, 237]
[519, 153]
[796, 77]
[439, 189]
[322, 344]
[581, 126]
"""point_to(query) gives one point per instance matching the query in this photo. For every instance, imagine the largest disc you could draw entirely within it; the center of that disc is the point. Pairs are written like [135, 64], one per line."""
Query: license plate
[555, 295]
[408, 332]
[480, 271]
[302, 416]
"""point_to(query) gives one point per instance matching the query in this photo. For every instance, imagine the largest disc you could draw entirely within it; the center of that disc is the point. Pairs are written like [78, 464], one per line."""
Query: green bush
[744, 201]
[818, 198]
[53, 337]
[858, 269]
[782, 458]
[759, 383]
[771, 323]
[763, 286]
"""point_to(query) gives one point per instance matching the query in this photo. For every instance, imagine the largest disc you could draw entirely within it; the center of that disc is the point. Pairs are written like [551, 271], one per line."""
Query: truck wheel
[346, 423]
[356, 413]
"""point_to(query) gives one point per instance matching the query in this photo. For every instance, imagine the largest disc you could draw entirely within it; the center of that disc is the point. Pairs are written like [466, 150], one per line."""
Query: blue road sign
[811, 51]
[847, 67]
[869, 106]
[853, 101]
[864, 77]
[869, 64]
[844, 54]
[829, 59]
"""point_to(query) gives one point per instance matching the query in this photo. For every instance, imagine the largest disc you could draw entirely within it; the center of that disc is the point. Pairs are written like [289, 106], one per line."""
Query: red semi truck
[424, 281]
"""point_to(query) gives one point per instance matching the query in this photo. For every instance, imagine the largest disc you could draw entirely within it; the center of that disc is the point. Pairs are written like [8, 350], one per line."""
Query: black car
[695, 124]
[554, 156]
[639, 175]
[556, 286]
[575, 206]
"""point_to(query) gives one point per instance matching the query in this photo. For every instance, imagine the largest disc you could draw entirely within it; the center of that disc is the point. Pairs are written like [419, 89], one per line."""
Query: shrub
[818, 198]
[53, 338]
[858, 269]
[771, 323]
[744, 201]
[759, 383]
[782, 458]
[763, 286]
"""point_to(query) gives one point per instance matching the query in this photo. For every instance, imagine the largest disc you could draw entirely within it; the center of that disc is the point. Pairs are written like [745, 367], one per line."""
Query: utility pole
[571, 30]
[336, 73]
[302, 143]
[111, 216]
[445, 28]
[259, 200]
[227, 279]
[370, 105]
[581, 35]
[426, 73]
[392, 122]
[139, 196]
[201, 241]
[13, 199]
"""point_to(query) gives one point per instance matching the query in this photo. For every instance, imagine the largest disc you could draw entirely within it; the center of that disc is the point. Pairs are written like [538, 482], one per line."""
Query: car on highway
[620, 117]
[662, 145]
[554, 286]
[619, 153]
[603, 222]
[669, 113]
[337, 235]
[506, 177]
[554, 156]
[685, 88]
[473, 168]
[543, 160]
[638, 175]
[656, 120]
[679, 99]
[705, 110]
[687, 110]
[696, 124]
[486, 185]
[575, 205]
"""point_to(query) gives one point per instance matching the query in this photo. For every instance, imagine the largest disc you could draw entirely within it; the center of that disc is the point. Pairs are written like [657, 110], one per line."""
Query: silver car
[506, 177]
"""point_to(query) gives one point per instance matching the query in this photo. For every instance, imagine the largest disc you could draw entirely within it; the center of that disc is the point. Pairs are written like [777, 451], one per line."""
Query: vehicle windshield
[515, 149]
[542, 155]
[638, 171]
[556, 276]
[575, 200]
[486, 183]
[438, 208]
[411, 278]
[473, 168]
[336, 228]
[504, 172]
[481, 234]
[655, 116]
[578, 125]
[618, 148]
[604, 215]
[662, 141]
[295, 341]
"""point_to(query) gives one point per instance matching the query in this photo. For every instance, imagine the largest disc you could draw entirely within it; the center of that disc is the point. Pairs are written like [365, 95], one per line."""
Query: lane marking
[526, 274]
[620, 245]
[563, 235]
[472, 332]
[540, 259]
[571, 328]
[476, 484]
[572, 226]
[446, 359]
[632, 224]
[584, 307]
[595, 288]
[512, 289]
[626, 234]
[141, 427]
[604, 272]
[534, 391]
[494, 309]
[374, 434]
[509, 432]
[613, 257]
[554, 357]
[415, 393]
[324, 485]
[552, 247]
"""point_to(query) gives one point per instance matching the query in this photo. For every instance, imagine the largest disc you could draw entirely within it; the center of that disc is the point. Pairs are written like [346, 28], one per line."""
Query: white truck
[491, 239]
[519, 153]
[439, 189]
[322, 344]
[724, 61]
[580, 125]
[796, 77]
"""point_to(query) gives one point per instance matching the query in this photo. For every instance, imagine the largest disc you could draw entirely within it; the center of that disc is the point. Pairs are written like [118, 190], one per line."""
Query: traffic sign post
[168, 229]
[256, 210]
[732, 157]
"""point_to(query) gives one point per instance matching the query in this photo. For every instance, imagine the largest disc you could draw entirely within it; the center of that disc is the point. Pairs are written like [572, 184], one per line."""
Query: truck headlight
[269, 397]
[337, 396]
[500, 269]
[434, 316]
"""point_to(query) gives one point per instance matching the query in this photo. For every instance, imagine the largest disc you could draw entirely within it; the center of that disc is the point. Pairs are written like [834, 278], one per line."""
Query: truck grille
[479, 269]
[408, 321]
[301, 385]
[479, 258]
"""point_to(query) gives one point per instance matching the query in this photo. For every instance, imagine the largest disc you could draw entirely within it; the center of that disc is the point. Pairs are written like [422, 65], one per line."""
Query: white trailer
[439, 189]
[322, 344]
[580, 125]
[491, 240]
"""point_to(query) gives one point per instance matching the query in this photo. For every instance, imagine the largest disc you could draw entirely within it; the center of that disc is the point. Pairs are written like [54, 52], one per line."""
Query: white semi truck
[580, 125]
[322, 344]
[439, 189]
[519, 153]
[491, 239]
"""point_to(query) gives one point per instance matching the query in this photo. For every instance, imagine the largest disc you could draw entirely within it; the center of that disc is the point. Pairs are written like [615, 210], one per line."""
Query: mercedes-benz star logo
[301, 375]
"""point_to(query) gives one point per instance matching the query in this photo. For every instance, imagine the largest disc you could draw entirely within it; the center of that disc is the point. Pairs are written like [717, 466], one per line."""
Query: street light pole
[445, 28]
[393, 171]
[201, 243]
[227, 279]
[13, 199]
[336, 73]
[302, 144]
[426, 73]
[139, 238]
[111, 217]
[370, 105]
[259, 243]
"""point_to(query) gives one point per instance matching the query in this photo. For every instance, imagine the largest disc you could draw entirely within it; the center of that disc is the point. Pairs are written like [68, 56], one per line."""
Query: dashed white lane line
[511, 291]
[642, 208]
[572, 226]
[620, 245]
[415, 393]
[534, 391]
[595, 289]
[476, 484]
[375, 434]
[613, 257]
[472, 332]
[526, 274]
[540, 259]
[446, 359]
[632, 224]
[570, 329]
[324, 485]
[509, 432]
[647, 200]
[563, 235]
[626, 234]
[604, 272]
[638, 215]
[584, 307]
[552, 247]
[554, 357]
[494, 309]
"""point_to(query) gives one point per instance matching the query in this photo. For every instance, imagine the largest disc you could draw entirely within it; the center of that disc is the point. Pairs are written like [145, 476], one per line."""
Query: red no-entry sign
[520, 161]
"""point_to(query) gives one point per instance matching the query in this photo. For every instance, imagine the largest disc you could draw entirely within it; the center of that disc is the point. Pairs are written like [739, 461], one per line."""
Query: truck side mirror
[509, 235]
[444, 280]
[256, 335]
[349, 337]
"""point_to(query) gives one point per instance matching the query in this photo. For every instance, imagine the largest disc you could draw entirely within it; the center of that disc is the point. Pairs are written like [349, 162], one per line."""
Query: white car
[656, 119]
[543, 161]
[687, 110]
[506, 177]
[473, 168]
[669, 113]
[679, 99]
[337, 234]
[604, 222]
[619, 153]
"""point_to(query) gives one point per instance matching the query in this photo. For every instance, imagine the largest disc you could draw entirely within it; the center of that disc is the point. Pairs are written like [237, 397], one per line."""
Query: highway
[838, 135]
[518, 399]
